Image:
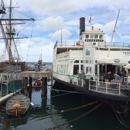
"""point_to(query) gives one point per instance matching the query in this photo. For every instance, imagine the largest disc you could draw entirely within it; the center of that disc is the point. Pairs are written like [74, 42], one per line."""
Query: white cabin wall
[54, 59]
[101, 54]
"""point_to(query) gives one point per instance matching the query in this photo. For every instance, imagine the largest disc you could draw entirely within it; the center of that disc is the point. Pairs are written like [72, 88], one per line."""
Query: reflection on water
[40, 118]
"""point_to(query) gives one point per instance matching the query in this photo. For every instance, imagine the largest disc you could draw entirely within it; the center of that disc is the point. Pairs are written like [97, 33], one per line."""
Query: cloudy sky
[53, 15]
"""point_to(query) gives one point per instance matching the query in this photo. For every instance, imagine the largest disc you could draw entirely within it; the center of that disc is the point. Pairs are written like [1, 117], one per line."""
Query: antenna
[113, 33]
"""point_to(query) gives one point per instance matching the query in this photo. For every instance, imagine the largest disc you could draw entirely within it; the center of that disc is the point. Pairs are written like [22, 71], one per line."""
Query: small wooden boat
[17, 105]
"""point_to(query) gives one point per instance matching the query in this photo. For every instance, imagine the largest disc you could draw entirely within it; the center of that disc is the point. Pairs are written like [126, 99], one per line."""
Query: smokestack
[82, 25]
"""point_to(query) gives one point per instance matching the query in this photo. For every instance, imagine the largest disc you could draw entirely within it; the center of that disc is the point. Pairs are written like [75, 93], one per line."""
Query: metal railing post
[96, 85]
[119, 89]
[89, 84]
[106, 87]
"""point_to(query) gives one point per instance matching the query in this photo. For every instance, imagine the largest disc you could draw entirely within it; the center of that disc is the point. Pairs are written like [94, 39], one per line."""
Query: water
[41, 118]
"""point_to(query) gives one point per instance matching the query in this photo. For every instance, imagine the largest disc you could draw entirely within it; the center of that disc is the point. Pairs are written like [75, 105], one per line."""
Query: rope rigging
[30, 42]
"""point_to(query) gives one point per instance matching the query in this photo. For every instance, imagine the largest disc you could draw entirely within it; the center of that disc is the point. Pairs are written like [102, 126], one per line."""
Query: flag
[90, 20]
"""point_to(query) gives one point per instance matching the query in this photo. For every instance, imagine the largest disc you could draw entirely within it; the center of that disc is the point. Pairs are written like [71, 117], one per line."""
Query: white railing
[105, 87]
[98, 86]
[8, 77]
[126, 81]
[114, 44]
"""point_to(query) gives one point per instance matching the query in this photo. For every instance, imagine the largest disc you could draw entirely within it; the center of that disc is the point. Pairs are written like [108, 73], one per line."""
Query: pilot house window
[91, 36]
[101, 36]
[96, 36]
[87, 36]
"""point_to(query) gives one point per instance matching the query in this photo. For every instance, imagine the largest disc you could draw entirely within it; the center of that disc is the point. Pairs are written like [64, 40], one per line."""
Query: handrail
[103, 87]
[114, 44]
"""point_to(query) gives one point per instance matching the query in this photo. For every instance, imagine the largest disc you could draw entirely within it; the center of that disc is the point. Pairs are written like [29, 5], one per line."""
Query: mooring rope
[124, 106]
[120, 119]
[119, 111]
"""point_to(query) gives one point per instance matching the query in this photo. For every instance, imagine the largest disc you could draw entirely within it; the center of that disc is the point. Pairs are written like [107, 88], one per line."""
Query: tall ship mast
[8, 30]
[12, 25]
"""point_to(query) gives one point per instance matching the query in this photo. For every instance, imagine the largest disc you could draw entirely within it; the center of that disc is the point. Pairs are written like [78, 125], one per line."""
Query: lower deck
[95, 88]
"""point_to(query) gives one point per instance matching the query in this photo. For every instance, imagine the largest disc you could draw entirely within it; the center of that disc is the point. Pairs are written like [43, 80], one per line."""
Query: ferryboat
[81, 66]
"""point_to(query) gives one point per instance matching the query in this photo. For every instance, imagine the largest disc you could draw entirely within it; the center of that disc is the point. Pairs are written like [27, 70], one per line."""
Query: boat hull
[14, 109]
[87, 92]
[19, 111]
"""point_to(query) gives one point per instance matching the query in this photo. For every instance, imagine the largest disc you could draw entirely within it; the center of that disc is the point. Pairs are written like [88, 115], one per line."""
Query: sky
[52, 16]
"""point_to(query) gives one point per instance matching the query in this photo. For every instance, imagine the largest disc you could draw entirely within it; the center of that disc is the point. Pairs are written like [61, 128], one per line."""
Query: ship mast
[9, 33]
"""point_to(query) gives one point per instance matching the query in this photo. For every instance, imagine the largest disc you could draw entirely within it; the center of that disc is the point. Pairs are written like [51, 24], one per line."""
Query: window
[91, 36]
[82, 69]
[88, 70]
[76, 69]
[76, 61]
[87, 52]
[96, 69]
[96, 36]
[87, 36]
[101, 36]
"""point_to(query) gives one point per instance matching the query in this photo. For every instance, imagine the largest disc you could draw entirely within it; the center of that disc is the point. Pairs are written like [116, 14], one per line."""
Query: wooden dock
[36, 74]
[27, 77]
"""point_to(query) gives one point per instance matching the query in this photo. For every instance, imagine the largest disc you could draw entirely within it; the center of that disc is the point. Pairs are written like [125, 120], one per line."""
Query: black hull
[93, 94]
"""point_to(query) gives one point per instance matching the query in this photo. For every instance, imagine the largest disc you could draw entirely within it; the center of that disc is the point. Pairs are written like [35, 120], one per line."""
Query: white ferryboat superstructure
[82, 65]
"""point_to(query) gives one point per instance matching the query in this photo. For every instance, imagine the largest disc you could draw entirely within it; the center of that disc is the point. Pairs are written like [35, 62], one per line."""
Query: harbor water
[46, 114]
[50, 112]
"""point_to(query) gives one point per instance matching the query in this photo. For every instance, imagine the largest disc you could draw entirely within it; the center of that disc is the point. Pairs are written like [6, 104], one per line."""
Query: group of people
[116, 78]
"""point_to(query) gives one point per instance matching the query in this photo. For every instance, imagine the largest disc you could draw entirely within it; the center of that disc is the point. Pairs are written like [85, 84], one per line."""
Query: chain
[89, 104]
[57, 126]
[58, 90]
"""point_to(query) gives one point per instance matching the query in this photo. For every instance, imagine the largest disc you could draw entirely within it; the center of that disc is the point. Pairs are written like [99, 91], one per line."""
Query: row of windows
[62, 69]
[85, 61]
[65, 62]
[87, 70]
[94, 40]
[94, 36]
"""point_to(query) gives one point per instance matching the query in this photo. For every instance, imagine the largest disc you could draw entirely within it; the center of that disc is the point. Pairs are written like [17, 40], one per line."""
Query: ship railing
[65, 43]
[80, 80]
[118, 44]
[12, 68]
[8, 77]
[105, 87]
[126, 82]
[73, 43]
